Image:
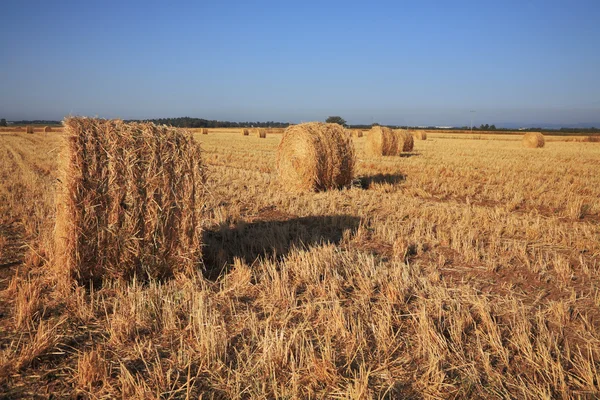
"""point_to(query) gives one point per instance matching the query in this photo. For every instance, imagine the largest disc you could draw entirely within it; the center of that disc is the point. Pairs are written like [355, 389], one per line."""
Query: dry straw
[261, 133]
[533, 140]
[315, 156]
[381, 141]
[420, 135]
[47, 129]
[29, 129]
[406, 142]
[204, 131]
[130, 201]
[358, 133]
[245, 132]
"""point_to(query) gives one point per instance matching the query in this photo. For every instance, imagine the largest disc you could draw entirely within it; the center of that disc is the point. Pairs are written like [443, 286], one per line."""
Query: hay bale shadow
[270, 238]
[366, 182]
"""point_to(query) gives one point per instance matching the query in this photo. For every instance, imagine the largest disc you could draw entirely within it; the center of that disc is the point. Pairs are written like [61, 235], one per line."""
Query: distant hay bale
[19, 128]
[245, 132]
[315, 156]
[129, 203]
[47, 129]
[358, 133]
[261, 133]
[406, 143]
[382, 141]
[533, 140]
[420, 135]
[204, 131]
[29, 129]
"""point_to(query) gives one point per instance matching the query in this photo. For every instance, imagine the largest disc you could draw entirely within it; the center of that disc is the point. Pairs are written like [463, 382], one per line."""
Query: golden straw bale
[406, 142]
[533, 140]
[47, 129]
[358, 133]
[204, 131]
[29, 129]
[261, 133]
[420, 135]
[130, 201]
[245, 132]
[315, 156]
[381, 141]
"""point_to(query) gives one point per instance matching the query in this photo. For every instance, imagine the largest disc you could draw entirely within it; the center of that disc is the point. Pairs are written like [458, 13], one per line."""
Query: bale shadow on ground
[270, 238]
[366, 182]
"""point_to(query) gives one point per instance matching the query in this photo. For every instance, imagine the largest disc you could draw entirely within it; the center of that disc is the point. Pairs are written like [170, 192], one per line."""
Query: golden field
[465, 269]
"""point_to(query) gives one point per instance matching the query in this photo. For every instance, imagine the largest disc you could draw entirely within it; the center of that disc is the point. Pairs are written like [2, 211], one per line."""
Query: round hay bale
[382, 141]
[406, 143]
[261, 133]
[315, 156]
[358, 133]
[245, 132]
[129, 202]
[29, 129]
[533, 140]
[47, 129]
[204, 131]
[420, 135]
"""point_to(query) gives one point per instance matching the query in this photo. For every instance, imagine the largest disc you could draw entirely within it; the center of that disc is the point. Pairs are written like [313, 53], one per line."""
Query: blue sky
[397, 62]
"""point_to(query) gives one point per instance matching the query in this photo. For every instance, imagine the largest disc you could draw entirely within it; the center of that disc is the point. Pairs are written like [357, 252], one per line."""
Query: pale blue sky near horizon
[392, 62]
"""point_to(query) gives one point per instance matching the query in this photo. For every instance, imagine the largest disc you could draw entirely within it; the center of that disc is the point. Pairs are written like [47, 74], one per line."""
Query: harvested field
[468, 269]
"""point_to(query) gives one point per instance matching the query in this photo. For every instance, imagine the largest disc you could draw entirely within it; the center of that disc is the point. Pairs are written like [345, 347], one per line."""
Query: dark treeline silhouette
[188, 122]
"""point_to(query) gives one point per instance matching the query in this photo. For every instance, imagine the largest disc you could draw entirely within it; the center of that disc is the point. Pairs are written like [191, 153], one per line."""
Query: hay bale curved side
[420, 135]
[406, 143]
[130, 203]
[315, 156]
[47, 129]
[382, 141]
[534, 140]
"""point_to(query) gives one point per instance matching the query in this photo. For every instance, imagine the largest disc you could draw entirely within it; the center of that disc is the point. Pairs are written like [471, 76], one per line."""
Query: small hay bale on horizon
[204, 131]
[47, 129]
[29, 129]
[315, 156]
[534, 140]
[245, 132]
[261, 133]
[129, 203]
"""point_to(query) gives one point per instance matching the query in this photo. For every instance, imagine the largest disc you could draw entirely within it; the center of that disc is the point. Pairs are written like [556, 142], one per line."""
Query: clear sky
[392, 62]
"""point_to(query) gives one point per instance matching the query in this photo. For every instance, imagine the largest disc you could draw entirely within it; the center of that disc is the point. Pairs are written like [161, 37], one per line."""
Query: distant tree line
[188, 122]
[36, 122]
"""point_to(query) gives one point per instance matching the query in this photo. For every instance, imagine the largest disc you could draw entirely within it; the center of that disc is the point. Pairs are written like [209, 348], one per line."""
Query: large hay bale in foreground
[533, 140]
[245, 132]
[315, 156]
[406, 142]
[420, 135]
[261, 133]
[29, 129]
[382, 141]
[204, 131]
[130, 201]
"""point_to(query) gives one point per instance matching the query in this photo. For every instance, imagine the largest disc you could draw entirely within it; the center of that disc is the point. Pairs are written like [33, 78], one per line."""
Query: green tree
[3, 122]
[336, 120]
